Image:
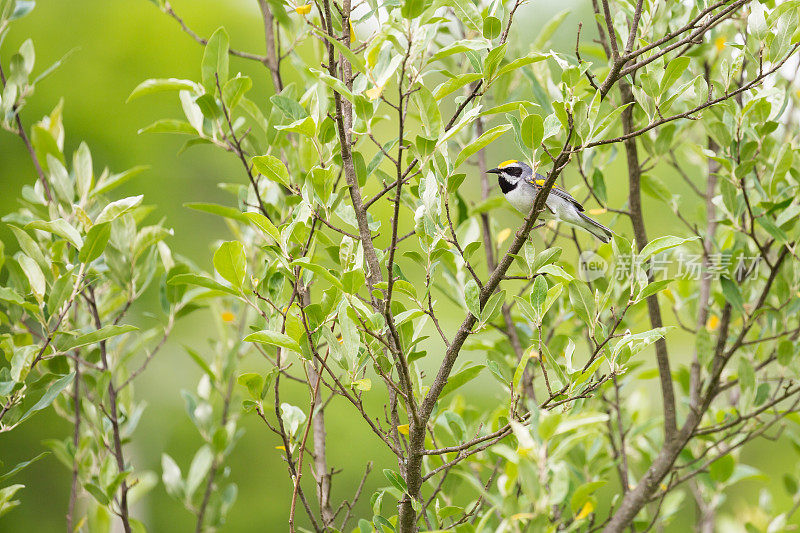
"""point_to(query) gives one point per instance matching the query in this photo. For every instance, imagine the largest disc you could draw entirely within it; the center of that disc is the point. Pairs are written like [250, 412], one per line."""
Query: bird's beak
[494, 171]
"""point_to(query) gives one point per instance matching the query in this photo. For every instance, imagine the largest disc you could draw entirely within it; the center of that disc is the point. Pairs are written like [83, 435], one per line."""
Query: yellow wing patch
[506, 163]
[541, 182]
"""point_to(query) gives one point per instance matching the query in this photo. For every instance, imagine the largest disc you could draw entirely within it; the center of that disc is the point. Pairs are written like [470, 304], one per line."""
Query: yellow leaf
[713, 323]
[83, 217]
[403, 429]
[363, 384]
[587, 509]
[227, 316]
[598, 211]
[374, 93]
[719, 42]
[281, 448]
[303, 10]
[352, 33]
[503, 235]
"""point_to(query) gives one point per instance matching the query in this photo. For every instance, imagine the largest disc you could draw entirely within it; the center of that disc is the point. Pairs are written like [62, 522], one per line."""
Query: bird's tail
[596, 229]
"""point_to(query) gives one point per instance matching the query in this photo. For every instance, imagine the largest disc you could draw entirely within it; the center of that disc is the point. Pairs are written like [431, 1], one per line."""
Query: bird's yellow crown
[506, 163]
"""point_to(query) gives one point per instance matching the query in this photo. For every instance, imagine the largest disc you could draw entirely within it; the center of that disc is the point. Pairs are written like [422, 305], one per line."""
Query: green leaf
[549, 29]
[215, 61]
[34, 274]
[264, 224]
[430, 115]
[202, 281]
[290, 108]
[582, 301]
[539, 294]
[532, 130]
[115, 180]
[785, 352]
[305, 126]
[492, 307]
[673, 73]
[82, 166]
[230, 261]
[273, 338]
[455, 83]
[654, 187]
[467, 12]
[59, 227]
[52, 392]
[21, 466]
[411, 9]
[396, 480]
[169, 125]
[208, 106]
[21, 8]
[96, 241]
[201, 464]
[116, 209]
[660, 244]
[460, 379]
[356, 61]
[493, 58]
[790, 484]
[481, 142]
[292, 417]
[732, 295]
[7, 294]
[582, 493]
[472, 295]
[254, 383]
[98, 493]
[653, 288]
[271, 168]
[519, 371]
[198, 359]
[599, 185]
[334, 83]
[492, 26]
[220, 210]
[29, 246]
[533, 57]
[308, 264]
[747, 376]
[545, 257]
[106, 332]
[154, 85]
[171, 476]
[235, 89]
[722, 469]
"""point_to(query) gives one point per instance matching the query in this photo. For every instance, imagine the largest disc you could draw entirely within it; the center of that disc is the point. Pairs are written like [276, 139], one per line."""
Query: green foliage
[358, 254]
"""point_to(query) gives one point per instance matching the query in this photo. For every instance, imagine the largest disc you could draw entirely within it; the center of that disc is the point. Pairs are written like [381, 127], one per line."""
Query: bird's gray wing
[561, 193]
[538, 182]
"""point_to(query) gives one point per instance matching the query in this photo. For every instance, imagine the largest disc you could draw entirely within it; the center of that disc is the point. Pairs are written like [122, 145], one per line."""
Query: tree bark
[637, 219]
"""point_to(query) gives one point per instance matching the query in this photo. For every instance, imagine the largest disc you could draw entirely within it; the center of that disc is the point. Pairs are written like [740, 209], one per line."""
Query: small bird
[520, 185]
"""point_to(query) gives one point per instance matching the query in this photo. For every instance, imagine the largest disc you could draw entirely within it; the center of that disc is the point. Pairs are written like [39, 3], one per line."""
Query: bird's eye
[514, 171]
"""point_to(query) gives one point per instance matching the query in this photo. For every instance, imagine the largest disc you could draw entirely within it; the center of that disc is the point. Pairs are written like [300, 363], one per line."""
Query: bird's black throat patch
[505, 185]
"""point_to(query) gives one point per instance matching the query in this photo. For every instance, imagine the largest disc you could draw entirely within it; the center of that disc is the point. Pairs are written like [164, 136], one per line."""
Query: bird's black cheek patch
[505, 185]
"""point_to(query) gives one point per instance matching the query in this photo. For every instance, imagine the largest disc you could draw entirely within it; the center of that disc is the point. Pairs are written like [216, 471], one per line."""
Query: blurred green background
[115, 45]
